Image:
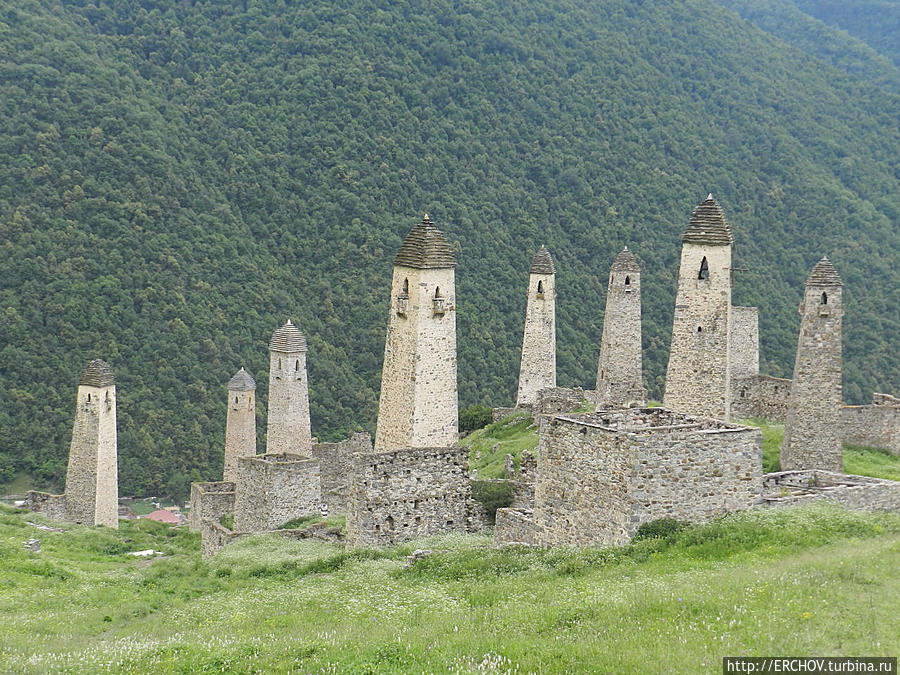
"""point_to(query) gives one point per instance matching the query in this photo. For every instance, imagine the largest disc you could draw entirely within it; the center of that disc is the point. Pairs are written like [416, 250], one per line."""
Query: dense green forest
[177, 179]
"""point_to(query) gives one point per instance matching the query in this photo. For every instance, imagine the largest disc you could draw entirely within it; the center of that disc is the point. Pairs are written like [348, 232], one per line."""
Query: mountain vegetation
[177, 179]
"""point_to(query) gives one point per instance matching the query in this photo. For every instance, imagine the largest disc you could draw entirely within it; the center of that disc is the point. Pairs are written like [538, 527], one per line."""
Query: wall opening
[704, 269]
[824, 298]
[406, 287]
[297, 365]
[628, 281]
[540, 288]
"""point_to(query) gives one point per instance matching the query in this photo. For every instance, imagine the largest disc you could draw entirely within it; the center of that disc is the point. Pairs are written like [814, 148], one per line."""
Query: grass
[858, 460]
[306, 521]
[489, 446]
[809, 580]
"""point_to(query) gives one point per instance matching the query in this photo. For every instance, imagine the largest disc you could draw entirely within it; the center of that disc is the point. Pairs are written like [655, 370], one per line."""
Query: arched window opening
[704, 269]
[824, 298]
[437, 292]
[406, 287]
[107, 397]
[699, 329]
[389, 523]
[89, 398]
[438, 302]
[628, 281]
[297, 366]
[540, 289]
[235, 399]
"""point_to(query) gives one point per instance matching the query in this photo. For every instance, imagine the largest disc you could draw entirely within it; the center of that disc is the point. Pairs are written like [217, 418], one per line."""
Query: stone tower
[698, 377]
[620, 382]
[288, 428]
[418, 406]
[538, 368]
[240, 424]
[812, 431]
[92, 480]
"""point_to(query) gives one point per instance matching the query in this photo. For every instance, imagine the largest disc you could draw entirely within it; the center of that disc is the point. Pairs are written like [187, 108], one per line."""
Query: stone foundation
[210, 501]
[273, 489]
[399, 495]
[52, 506]
[859, 493]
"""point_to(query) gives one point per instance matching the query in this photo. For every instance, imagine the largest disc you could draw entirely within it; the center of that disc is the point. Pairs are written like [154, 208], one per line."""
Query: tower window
[297, 366]
[824, 298]
[438, 301]
[704, 269]
[699, 329]
[279, 364]
[406, 287]
[628, 281]
[89, 398]
[540, 289]
[235, 399]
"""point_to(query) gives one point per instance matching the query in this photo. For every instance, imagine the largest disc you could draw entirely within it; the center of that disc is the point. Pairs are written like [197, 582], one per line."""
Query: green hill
[177, 179]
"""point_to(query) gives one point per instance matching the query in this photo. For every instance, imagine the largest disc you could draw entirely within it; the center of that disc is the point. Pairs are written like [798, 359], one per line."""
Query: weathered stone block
[210, 501]
[273, 489]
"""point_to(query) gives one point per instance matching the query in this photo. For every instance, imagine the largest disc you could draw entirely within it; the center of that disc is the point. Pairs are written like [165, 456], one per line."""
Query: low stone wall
[273, 489]
[399, 495]
[515, 527]
[559, 400]
[210, 501]
[860, 493]
[334, 469]
[52, 506]
[214, 537]
[498, 414]
[876, 425]
[761, 396]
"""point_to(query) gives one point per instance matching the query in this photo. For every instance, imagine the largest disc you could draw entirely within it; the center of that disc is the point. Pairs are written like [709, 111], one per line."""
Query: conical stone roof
[708, 225]
[625, 262]
[425, 248]
[288, 339]
[97, 374]
[543, 262]
[241, 381]
[823, 274]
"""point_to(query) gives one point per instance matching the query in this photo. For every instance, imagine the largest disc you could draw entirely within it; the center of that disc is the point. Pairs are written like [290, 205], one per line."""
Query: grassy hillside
[177, 179]
[794, 581]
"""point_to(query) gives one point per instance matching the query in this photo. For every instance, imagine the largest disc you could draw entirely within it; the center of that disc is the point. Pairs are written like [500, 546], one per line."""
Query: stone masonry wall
[812, 430]
[600, 476]
[515, 526]
[288, 428]
[240, 431]
[876, 425]
[558, 400]
[92, 492]
[761, 396]
[335, 461]
[538, 366]
[860, 493]
[698, 378]
[52, 506]
[418, 406]
[619, 373]
[402, 494]
[273, 489]
[214, 537]
[744, 343]
[210, 501]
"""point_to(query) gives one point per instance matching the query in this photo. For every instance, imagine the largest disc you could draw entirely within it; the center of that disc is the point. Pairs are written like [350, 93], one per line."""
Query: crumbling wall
[558, 400]
[860, 493]
[335, 461]
[214, 537]
[52, 506]
[876, 425]
[273, 489]
[210, 501]
[762, 396]
[515, 527]
[414, 492]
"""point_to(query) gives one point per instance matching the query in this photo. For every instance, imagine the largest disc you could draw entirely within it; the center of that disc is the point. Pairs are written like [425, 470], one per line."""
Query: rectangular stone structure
[399, 495]
[601, 475]
[52, 506]
[210, 501]
[335, 461]
[858, 493]
[273, 489]
[762, 396]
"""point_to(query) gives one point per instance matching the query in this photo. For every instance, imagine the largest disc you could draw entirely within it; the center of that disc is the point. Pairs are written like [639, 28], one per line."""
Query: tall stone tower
[812, 431]
[698, 377]
[620, 382]
[92, 480]
[418, 406]
[240, 423]
[538, 368]
[288, 428]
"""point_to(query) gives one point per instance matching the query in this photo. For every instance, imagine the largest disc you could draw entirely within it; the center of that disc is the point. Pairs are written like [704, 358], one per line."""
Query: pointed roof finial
[287, 339]
[425, 247]
[543, 262]
[823, 274]
[241, 381]
[708, 225]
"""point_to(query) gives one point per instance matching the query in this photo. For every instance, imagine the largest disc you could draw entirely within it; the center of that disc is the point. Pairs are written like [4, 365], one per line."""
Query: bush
[475, 417]
[662, 528]
[492, 495]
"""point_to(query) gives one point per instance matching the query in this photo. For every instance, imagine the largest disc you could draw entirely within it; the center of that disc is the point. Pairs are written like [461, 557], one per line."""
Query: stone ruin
[601, 475]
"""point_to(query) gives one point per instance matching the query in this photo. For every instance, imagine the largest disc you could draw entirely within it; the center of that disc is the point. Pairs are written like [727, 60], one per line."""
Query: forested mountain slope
[176, 181]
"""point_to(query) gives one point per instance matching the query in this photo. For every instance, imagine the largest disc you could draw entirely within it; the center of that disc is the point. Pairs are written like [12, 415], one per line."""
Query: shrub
[662, 528]
[492, 495]
[474, 417]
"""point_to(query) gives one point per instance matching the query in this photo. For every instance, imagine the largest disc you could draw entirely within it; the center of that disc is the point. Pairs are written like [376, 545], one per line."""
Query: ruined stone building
[602, 475]
[418, 406]
[240, 423]
[620, 379]
[698, 378]
[92, 482]
[812, 432]
[538, 367]
[288, 426]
